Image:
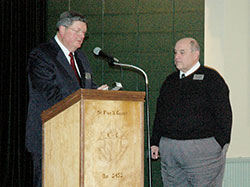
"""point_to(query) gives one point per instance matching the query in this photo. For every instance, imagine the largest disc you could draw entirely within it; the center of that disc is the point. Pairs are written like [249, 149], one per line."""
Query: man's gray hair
[194, 45]
[67, 18]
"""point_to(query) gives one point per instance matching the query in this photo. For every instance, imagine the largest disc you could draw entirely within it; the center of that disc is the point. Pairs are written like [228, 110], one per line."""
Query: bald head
[187, 53]
[194, 46]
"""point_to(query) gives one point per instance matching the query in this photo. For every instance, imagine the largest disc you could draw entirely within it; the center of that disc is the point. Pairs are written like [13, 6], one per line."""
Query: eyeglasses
[78, 31]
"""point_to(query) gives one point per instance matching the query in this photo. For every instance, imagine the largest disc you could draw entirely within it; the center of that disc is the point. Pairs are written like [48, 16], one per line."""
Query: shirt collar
[64, 49]
[193, 69]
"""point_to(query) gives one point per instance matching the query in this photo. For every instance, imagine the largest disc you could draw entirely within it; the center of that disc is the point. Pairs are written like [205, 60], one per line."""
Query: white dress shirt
[66, 53]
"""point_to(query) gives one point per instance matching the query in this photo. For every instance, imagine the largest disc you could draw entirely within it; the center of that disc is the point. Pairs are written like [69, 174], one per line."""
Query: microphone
[98, 52]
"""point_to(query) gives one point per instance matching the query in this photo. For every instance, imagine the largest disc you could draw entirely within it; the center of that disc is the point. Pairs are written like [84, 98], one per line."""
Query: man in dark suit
[55, 70]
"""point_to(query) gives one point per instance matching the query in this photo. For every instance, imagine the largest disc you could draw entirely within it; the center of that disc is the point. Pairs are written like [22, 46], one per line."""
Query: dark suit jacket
[51, 79]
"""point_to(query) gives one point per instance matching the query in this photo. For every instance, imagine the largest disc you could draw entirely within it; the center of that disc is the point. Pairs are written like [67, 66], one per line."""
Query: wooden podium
[94, 138]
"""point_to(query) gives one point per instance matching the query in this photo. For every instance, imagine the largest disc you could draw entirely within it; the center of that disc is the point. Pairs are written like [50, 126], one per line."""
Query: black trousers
[37, 169]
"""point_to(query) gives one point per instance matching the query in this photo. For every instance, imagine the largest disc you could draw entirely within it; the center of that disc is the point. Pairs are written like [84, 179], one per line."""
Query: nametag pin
[198, 77]
[87, 76]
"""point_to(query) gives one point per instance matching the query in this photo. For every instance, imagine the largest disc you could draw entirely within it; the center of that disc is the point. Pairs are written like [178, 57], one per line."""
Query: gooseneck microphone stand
[147, 115]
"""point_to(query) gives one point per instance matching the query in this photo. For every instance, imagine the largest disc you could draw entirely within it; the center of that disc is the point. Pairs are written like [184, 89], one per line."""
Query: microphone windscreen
[97, 50]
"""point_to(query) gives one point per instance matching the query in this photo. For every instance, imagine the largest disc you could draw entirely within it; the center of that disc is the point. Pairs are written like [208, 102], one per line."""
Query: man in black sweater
[193, 121]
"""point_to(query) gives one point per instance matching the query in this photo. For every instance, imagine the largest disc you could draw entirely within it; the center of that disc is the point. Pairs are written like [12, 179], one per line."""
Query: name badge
[198, 77]
[87, 76]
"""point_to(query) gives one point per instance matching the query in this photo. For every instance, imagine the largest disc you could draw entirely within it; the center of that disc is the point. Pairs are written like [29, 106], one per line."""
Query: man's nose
[82, 35]
[176, 56]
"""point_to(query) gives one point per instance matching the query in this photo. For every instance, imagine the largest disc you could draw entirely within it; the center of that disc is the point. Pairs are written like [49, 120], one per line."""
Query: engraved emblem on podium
[113, 143]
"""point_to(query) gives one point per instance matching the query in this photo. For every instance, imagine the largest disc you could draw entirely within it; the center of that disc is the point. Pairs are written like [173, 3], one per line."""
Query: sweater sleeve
[157, 127]
[156, 133]
[222, 109]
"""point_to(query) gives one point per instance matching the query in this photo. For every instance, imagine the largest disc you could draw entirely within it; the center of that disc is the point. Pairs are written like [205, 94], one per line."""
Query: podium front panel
[61, 149]
[113, 150]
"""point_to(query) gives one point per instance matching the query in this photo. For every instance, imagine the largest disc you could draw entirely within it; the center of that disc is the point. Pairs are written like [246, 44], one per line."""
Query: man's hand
[103, 87]
[154, 152]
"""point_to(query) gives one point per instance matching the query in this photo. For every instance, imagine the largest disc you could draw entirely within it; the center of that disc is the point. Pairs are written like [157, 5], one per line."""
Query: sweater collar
[192, 70]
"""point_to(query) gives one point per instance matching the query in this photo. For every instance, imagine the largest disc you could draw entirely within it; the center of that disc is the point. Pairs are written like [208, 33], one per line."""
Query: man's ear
[197, 54]
[61, 30]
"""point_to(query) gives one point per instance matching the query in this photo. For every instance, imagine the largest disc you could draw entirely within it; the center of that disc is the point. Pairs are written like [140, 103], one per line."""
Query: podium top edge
[91, 94]
[111, 95]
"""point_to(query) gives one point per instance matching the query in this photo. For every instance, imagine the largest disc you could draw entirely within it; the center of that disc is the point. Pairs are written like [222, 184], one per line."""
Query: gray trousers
[196, 163]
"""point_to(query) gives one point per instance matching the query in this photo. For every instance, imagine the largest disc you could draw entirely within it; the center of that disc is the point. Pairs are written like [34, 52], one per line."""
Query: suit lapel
[62, 63]
[82, 69]
[65, 64]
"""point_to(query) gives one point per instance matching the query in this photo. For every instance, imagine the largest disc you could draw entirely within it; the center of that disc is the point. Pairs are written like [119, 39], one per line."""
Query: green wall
[138, 32]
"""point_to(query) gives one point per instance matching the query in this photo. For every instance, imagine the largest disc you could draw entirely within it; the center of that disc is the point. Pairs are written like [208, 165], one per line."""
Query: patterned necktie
[72, 63]
[183, 76]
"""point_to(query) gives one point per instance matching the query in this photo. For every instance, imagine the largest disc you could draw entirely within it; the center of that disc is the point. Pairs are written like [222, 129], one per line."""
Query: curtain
[23, 26]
